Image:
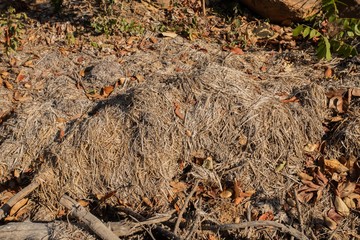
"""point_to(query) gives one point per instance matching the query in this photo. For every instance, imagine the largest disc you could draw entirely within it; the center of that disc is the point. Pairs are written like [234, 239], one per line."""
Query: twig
[203, 7]
[163, 232]
[178, 220]
[86, 217]
[298, 208]
[20, 195]
[282, 227]
[196, 222]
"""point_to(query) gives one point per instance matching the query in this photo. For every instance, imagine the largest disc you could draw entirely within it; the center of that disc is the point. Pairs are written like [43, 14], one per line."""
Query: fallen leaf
[243, 140]
[208, 163]
[178, 111]
[341, 207]
[337, 103]
[346, 189]
[226, 193]
[268, 216]
[263, 68]
[28, 64]
[280, 167]
[336, 119]
[153, 40]
[304, 176]
[61, 120]
[237, 51]
[238, 200]
[108, 195]
[147, 202]
[328, 72]
[106, 91]
[82, 73]
[330, 223]
[83, 203]
[8, 85]
[334, 215]
[21, 98]
[178, 186]
[349, 202]
[335, 165]
[140, 78]
[18, 205]
[169, 34]
[61, 134]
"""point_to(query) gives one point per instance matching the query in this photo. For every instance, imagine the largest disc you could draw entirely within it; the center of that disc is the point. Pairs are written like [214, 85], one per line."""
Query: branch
[282, 227]
[86, 217]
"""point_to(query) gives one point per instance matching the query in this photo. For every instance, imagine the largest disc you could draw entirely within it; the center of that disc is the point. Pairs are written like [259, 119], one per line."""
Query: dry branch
[20, 195]
[26, 230]
[282, 227]
[90, 220]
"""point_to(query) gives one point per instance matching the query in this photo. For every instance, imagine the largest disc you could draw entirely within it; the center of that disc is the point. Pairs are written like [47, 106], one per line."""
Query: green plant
[11, 25]
[113, 26]
[331, 33]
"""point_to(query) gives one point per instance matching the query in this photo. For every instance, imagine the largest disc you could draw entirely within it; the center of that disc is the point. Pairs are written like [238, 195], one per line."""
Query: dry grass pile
[233, 109]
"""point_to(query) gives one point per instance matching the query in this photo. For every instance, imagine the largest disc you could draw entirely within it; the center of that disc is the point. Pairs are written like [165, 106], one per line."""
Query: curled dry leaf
[330, 223]
[328, 72]
[106, 91]
[346, 189]
[337, 103]
[304, 176]
[335, 165]
[341, 207]
[18, 205]
[226, 193]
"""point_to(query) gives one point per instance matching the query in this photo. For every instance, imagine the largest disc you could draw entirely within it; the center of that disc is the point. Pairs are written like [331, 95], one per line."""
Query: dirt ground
[198, 118]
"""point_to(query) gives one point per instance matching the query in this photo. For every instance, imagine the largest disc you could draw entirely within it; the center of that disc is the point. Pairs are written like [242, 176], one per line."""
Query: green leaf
[320, 51]
[313, 33]
[332, 18]
[327, 49]
[350, 33]
[298, 30]
[356, 30]
[306, 32]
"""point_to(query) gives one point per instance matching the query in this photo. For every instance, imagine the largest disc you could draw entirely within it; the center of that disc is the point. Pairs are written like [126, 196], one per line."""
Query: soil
[138, 115]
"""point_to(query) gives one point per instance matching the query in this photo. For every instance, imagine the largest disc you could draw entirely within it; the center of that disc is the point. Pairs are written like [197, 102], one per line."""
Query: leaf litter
[123, 139]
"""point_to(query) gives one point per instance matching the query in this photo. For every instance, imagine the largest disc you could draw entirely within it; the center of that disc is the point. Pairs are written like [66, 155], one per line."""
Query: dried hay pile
[135, 140]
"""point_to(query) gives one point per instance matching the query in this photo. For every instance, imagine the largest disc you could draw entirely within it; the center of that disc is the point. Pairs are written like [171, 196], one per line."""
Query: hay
[133, 141]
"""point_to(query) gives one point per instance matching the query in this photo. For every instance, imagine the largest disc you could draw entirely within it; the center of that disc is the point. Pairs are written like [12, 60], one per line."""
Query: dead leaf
[304, 176]
[341, 207]
[328, 72]
[334, 215]
[140, 78]
[18, 205]
[28, 63]
[147, 202]
[280, 167]
[153, 40]
[337, 103]
[83, 203]
[169, 34]
[311, 147]
[178, 186]
[349, 202]
[335, 165]
[336, 119]
[345, 189]
[178, 112]
[263, 68]
[20, 77]
[330, 223]
[61, 134]
[61, 120]
[21, 98]
[82, 73]
[243, 140]
[208, 163]
[108, 195]
[8, 85]
[106, 91]
[226, 193]
[237, 51]
[268, 216]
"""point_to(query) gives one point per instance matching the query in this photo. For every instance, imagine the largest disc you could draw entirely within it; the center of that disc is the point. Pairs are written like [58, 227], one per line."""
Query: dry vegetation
[210, 126]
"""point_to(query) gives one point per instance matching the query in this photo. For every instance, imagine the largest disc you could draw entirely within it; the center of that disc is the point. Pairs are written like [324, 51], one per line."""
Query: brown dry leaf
[345, 189]
[8, 85]
[334, 215]
[243, 140]
[304, 176]
[107, 195]
[349, 202]
[337, 103]
[335, 165]
[21, 98]
[178, 186]
[153, 39]
[238, 200]
[61, 134]
[17, 173]
[226, 193]
[248, 193]
[237, 51]
[106, 91]
[311, 147]
[169, 34]
[212, 237]
[140, 78]
[178, 112]
[330, 223]
[83, 203]
[20, 77]
[28, 63]
[341, 207]
[336, 119]
[18, 205]
[82, 73]
[61, 120]
[268, 216]
[147, 202]
[263, 68]
[328, 72]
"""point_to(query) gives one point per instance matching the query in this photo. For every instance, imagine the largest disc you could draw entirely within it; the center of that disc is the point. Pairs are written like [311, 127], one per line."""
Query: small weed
[11, 25]
[113, 26]
[331, 33]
